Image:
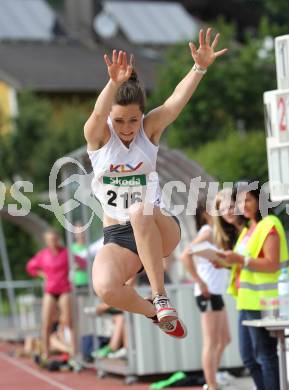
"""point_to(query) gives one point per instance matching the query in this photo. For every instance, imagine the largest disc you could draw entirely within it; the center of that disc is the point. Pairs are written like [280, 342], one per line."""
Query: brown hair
[225, 235]
[131, 92]
[200, 218]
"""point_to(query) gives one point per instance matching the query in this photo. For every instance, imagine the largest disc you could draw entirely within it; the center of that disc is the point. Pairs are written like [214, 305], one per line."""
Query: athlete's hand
[205, 55]
[118, 69]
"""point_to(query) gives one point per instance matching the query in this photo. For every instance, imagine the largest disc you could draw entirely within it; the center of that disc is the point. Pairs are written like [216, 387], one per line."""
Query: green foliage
[236, 157]
[18, 146]
[278, 12]
[43, 132]
[57, 4]
[31, 128]
[64, 136]
[20, 247]
[6, 157]
[229, 97]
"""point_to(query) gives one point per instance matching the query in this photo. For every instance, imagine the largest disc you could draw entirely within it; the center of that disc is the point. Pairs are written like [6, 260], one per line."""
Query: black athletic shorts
[56, 296]
[213, 303]
[122, 235]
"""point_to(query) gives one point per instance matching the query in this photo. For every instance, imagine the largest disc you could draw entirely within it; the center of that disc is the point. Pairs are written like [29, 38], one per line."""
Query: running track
[22, 374]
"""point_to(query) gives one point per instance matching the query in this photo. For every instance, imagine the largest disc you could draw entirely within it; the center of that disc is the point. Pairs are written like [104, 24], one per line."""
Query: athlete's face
[126, 121]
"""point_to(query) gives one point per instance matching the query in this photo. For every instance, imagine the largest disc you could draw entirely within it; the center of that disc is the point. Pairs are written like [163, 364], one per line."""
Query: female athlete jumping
[122, 145]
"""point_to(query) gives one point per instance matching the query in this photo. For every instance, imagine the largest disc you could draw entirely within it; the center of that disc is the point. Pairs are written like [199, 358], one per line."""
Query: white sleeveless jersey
[125, 175]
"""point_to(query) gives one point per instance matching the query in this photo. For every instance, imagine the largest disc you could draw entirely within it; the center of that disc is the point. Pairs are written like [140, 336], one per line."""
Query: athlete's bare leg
[113, 266]
[156, 237]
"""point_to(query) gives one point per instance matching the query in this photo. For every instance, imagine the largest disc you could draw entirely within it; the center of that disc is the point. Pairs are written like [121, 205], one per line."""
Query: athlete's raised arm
[96, 131]
[159, 118]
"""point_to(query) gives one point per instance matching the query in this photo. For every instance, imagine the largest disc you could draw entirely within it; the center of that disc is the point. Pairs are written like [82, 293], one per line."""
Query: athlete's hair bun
[131, 92]
[133, 76]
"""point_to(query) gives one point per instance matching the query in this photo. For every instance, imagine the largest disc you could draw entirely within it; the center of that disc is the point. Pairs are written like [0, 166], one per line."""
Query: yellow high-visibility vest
[254, 285]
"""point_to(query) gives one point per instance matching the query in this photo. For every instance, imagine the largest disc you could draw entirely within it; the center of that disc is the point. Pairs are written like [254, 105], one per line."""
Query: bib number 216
[123, 200]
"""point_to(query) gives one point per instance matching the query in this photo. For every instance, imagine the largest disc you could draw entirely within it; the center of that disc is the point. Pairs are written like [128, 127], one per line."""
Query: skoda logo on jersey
[124, 168]
[135, 180]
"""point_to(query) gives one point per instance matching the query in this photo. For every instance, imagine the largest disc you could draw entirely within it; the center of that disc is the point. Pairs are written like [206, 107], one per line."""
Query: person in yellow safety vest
[258, 256]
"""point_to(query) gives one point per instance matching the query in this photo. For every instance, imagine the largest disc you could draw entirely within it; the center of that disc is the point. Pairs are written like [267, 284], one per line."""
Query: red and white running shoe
[164, 309]
[175, 328]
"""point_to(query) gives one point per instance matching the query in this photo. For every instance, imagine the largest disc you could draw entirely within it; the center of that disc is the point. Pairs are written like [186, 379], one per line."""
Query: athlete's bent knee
[136, 210]
[140, 214]
[106, 292]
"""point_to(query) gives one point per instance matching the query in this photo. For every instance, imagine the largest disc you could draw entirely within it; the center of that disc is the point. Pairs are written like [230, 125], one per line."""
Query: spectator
[80, 248]
[261, 251]
[117, 345]
[80, 277]
[210, 285]
[59, 340]
[52, 264]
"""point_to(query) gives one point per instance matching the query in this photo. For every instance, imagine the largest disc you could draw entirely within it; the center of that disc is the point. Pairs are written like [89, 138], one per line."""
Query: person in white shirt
[122, 145]
[210, 285]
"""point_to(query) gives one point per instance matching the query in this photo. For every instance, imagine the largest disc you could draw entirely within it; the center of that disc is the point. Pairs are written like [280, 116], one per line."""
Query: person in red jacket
[52, 263]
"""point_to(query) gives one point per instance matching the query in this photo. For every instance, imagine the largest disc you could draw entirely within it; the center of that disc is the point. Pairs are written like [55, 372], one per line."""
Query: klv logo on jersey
[124, 168]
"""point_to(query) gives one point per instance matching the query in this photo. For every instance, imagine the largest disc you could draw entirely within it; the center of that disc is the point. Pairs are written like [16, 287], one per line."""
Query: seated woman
[59, 340]
[118, 343]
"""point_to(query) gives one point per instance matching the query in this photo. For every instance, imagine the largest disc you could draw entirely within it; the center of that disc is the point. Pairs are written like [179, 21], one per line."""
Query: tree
[278, 12]
[64, 136]
[30, 128]
[230, 95]
[43, 132]
[19, 147]
[235, 157]
[20, 247]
